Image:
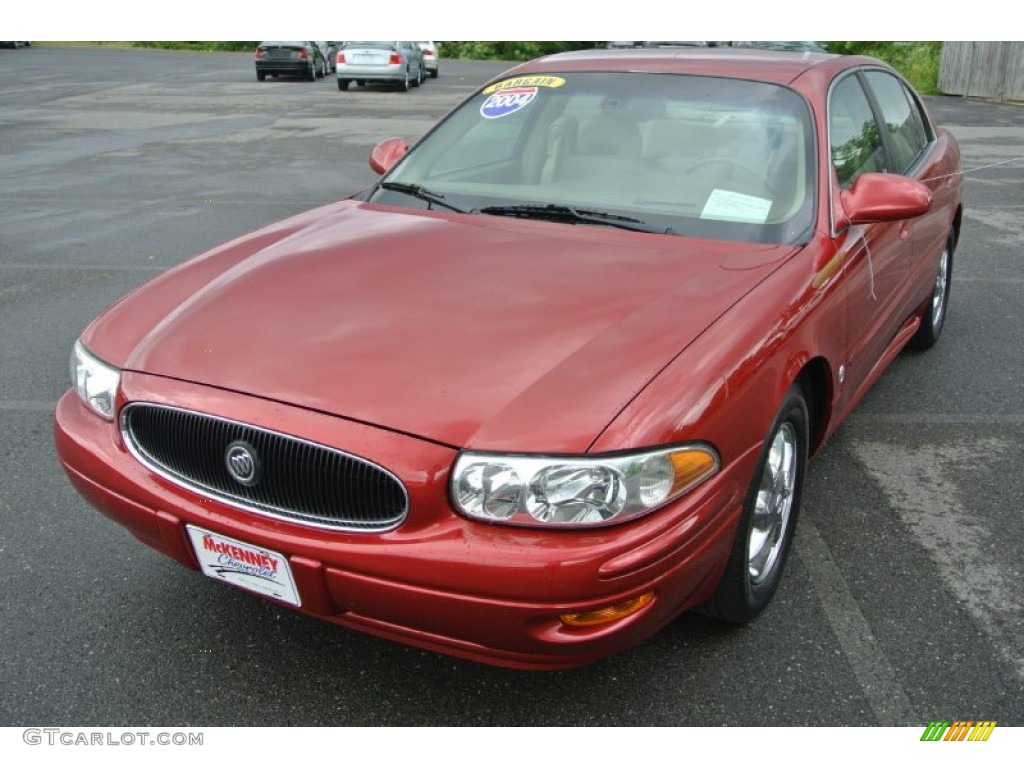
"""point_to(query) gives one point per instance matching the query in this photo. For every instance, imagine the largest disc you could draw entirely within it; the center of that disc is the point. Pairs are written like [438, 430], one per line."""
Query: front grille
[291, 478]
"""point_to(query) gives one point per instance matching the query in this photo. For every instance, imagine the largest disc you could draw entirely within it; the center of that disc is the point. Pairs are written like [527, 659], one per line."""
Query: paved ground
[901, 605]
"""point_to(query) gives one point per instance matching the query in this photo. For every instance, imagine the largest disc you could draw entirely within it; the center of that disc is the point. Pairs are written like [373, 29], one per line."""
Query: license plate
[244, 565]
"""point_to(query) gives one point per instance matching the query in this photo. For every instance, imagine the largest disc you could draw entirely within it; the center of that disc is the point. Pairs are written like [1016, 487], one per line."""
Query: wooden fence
[991, 70]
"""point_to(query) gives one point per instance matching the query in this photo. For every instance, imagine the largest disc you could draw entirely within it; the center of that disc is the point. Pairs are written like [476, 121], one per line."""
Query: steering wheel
[752, 173]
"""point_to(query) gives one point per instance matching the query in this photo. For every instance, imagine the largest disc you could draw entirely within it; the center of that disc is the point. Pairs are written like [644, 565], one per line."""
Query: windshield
[686, 155]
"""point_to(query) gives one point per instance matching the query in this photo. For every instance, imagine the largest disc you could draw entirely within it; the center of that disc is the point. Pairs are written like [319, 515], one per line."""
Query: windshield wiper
[572, 215]
[415, 190]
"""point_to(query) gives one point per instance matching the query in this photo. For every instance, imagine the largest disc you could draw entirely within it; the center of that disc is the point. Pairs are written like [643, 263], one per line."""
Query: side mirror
[885, 197]
[386, 154]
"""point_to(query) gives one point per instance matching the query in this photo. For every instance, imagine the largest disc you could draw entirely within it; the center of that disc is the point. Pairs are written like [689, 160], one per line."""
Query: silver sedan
[372, 61]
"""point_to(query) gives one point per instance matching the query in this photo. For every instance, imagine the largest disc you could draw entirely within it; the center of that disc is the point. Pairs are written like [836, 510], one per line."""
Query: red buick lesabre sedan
[555, 378]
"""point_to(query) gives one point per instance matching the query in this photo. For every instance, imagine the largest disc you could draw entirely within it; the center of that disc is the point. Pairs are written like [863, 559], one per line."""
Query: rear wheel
[261, 76]
[342, 85]
[769, 518]
[311, 75]
[935, 316]
[404, 85]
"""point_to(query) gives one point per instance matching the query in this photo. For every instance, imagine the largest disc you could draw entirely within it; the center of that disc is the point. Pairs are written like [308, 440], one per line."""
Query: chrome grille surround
[300, 481]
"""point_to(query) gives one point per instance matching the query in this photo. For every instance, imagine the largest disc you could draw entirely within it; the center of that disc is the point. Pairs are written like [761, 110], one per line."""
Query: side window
[853, 133]
[903, 121]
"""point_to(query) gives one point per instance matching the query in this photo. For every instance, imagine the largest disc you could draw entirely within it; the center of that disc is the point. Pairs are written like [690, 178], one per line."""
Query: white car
[387, 61]
[430, 56]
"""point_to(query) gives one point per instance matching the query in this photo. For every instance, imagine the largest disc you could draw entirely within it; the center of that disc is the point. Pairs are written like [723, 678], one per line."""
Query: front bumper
[488, 593]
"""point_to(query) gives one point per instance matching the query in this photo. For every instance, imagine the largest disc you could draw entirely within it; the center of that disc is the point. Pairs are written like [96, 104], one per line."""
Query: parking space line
[93, 267]
[867, 660]
[941, 419]
[920, 485]
[28, 406]
[994, 280]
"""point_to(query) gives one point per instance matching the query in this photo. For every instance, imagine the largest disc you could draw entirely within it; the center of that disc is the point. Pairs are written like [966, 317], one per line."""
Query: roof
[748, 64]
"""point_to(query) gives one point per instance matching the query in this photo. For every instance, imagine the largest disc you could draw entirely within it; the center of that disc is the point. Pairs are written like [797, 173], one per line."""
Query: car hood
[472, 331]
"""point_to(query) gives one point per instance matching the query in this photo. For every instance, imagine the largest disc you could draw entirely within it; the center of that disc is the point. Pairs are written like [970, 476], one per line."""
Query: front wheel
[770, 512]
[935, 315]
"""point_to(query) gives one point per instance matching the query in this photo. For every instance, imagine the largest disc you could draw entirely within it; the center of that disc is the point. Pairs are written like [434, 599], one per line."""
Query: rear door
[915, 153]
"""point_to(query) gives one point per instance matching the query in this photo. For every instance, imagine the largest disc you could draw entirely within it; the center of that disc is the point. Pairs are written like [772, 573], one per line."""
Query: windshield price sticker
[734, 206]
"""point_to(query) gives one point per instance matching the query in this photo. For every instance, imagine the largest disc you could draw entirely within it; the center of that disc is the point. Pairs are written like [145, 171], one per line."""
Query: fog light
[609, 613]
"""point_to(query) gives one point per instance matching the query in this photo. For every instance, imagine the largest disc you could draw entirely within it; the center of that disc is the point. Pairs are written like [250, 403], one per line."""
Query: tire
[434, 73]
[261, 76]
[343, 85]
[770, 512]
[311, 75]
[404, 85]
[934, 317]
[418, 81]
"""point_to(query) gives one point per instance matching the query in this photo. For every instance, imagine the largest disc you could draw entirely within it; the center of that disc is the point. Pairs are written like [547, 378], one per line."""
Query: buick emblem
[242, 463]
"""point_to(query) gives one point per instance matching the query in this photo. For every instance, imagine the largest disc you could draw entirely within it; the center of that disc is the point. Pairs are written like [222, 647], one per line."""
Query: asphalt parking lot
[902, 602]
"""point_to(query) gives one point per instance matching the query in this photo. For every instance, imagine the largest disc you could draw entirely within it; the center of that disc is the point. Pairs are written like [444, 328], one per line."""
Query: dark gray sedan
[290, 58]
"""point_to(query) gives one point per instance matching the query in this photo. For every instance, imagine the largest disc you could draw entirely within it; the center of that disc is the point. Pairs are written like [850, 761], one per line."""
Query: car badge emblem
[242, 462]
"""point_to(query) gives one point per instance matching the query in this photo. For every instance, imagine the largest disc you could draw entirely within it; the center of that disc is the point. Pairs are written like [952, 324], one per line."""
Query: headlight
[576, 490]
[94, 381]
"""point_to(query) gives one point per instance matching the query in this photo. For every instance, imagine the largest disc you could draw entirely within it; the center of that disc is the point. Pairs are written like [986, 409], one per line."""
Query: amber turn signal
[609, 613]
[691, 466]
